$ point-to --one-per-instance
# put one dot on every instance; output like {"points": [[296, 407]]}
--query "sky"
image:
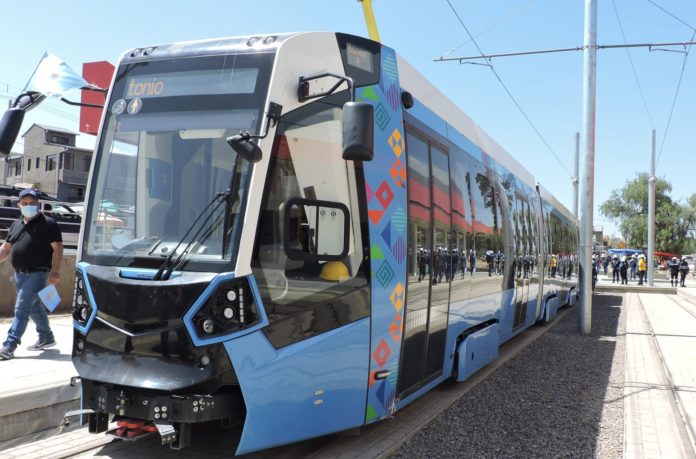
{"points": [[636, 88]]}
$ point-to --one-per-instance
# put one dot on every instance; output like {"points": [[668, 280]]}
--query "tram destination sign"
{"points": [[196, 82]]}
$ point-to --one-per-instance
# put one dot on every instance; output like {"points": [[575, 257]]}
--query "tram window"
{"points": [[316, 230], [461, 223], [310, 274], [484, 218]]}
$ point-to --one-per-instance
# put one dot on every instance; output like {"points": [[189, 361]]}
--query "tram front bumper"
{"points": [[130, 403]]}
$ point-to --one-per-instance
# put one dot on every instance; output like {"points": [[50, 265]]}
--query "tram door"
{"points": [[427, 292]]}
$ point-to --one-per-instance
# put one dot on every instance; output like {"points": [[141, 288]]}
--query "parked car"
{"points": [[68, 220]]}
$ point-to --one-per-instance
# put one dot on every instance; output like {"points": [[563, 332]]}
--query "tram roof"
{"points": [[240, 44], [426, 93], [551, 199]]}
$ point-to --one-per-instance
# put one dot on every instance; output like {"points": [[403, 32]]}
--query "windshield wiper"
{"points": [[165, 271]]}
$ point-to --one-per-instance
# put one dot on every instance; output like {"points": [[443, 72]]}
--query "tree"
{"points": [[673, 223], [689, 217]]}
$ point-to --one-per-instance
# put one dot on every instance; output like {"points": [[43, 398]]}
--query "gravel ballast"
{"points": [[560, 397]]}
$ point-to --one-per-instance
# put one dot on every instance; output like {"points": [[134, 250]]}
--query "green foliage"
{"points": [[675, 224]]}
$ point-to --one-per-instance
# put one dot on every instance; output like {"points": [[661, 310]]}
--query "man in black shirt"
{"points": [[36, 246]]}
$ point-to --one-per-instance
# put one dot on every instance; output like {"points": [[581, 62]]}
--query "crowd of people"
{"points": [[561, 266], [445, 264], [627, 268]]}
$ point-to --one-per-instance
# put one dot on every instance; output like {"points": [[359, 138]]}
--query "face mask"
{"points": [[29, 211]]}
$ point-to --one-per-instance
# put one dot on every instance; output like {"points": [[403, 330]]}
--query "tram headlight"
{"points": [[208, 326], [230, 308], [81, 308]]}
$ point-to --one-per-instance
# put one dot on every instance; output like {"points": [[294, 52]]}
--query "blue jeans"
{"points": [[28, 306]]}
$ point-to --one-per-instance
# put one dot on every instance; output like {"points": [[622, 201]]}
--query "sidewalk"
{"points": [[660, 377], [661, 284], [35, 389]]}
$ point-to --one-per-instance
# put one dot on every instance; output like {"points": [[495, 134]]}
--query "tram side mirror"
{"points": [[358, 131], [244, 147], [9, 129]]}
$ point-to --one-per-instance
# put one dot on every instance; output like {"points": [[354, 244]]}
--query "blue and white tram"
{"points": [[280, 271]]}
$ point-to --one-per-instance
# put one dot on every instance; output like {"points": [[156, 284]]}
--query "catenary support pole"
{"points": [[587, 191], [651, 212], [576, 175]]}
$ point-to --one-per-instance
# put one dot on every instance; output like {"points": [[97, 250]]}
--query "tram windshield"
{"points": [[163, 158]]}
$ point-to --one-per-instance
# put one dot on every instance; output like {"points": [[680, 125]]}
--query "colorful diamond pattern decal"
{"points": [[376, 252], [384, 194], [399, 250], [385, 274], [389, 68], [393, 97], [371, 413], [382, 394], [368, 191], [399, 220], [382, 118], [369, 94], [382, 353], [395, 327], [398, 173], [375, 215], [396, 142], [386, 180], [386, 233], [397, 296]]}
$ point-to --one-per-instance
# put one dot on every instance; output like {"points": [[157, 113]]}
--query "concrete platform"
{"points": [[35, 390], [660, 285], [660, 378]]}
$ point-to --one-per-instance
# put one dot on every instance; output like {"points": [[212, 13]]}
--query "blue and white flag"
{"points": [[54, 78]]}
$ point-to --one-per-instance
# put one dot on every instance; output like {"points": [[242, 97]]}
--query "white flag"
{"points": [[54, 78]]}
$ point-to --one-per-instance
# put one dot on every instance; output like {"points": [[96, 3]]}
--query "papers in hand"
{"points": [[49, 297]]}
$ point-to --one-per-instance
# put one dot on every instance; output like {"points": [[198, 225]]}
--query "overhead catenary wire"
{"points": [[652, 47], [488, 57], [681, 74], [492, 26], [672, 15], [633, 67], [514, 101], [674, 101]]}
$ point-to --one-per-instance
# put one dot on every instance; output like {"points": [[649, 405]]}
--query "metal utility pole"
{"points": [[576, 175], [651, 211], [587, 195]]}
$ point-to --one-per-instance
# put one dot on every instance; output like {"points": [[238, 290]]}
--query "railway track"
{"points": [[682, 299], [676, 400]]}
